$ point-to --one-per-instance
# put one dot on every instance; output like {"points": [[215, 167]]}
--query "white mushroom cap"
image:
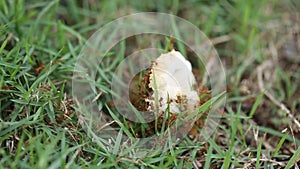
{"points": [[171, 78]]}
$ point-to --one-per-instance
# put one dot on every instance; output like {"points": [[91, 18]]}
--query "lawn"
{"points": [[41, 126]]}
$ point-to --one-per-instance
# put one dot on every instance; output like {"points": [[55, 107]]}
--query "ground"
{"points": [[258, 43]]}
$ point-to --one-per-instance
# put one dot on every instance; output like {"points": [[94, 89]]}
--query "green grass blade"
{"points": [[255, 105], [278, 147], [258, 154], [294, 159]]}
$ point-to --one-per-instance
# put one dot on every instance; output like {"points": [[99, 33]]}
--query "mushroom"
{"points": [[173, 84]]}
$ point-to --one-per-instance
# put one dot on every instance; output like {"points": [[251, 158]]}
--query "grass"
{"points": [[40, 43]]}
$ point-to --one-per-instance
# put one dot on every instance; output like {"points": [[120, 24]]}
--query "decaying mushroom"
{"points": [[169, 85], [173, 84]]}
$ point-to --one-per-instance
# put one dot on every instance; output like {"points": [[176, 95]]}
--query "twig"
{"points": [[195, 165], [107, 124], [291, 129], [137, 162], [73, 158], [269, 160], [220, 39], [260, 69]]}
